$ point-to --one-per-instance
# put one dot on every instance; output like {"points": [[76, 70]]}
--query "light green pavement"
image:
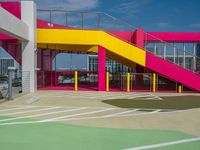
{"points": [[55, 136]]}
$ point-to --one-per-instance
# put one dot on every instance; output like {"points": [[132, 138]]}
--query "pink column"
{"points": [[101, 68], [139, 41], [139, 38]]}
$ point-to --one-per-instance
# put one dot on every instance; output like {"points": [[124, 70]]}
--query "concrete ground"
{"points": [[88, 109]]}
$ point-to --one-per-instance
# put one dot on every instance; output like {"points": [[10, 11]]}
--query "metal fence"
{"points": [[83, 20], [11, 85]]}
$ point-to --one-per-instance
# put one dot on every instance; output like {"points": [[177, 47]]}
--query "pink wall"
{"points": [[175, 36], [13, 7], [126, 36], [172, 71], [45, 24]]}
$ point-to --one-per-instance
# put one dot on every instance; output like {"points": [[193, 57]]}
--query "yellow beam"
{"points": [[128, 82], [154, 82], [76, 81], [118, 47], [107, 81]]}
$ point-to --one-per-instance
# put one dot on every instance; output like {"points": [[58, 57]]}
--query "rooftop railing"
{"points": [[105, 22]]}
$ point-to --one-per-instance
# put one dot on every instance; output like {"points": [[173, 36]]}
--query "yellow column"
{"points": [[76, 81], [128, 82], [107, 81], [154, 82], [180, 89]]}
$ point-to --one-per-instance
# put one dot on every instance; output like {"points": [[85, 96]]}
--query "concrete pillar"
{"points": [[29, 57], [101, 68]]}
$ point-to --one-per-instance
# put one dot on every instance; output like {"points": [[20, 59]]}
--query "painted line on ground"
{"points": [[16, 108], [43, 114], [165, 144], [16, 113], [118, 96], [120, 113], [155, 96], [105, 116], [79, 94], [146, 113], [139, 96], [25, 106], [80, 114], [70, 117], [53, 119], [32, 100], [46, 106]]}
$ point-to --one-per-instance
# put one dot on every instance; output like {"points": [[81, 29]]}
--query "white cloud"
{"points": [[67, 4], [195, 25], [163, 25]]}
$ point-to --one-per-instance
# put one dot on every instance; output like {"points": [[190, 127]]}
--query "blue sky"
{"points": [[152, 15]]}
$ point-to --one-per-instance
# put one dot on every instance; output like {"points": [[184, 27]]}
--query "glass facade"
{"points": [[111, 66], [184, 54]]}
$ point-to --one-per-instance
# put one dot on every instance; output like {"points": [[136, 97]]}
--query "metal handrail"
{"points": [[129, 27]]}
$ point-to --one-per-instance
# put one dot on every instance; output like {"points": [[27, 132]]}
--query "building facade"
{"points": [[173, 55], [185, 54]]}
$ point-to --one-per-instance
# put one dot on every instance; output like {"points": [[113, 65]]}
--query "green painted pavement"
{"points": [[55, 136]]}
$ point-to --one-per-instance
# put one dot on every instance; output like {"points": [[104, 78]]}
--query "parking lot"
{"points": [[72, 113]]}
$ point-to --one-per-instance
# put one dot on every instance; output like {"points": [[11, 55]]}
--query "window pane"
{"points": [[170, 49], [189, 49], [150, 47], [179, 49], [160, 49]]}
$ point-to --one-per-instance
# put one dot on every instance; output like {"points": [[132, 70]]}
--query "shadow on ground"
{"points": [[179, 102]]}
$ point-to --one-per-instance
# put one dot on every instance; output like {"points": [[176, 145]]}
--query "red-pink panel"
{"points": [[13, 7], [126, 36], [175, 36], [173, 71]]}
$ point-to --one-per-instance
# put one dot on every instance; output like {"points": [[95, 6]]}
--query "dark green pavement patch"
{"points": [[178, 102], [56, 136]]}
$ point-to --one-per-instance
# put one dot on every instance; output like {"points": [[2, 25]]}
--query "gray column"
{"points": [[194, 57], [184, 50], [155, 46], [29, 57], [165, 47], [174, 46]]}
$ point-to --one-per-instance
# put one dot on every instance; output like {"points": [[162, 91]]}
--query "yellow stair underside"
{"points": [[88, 41]]}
